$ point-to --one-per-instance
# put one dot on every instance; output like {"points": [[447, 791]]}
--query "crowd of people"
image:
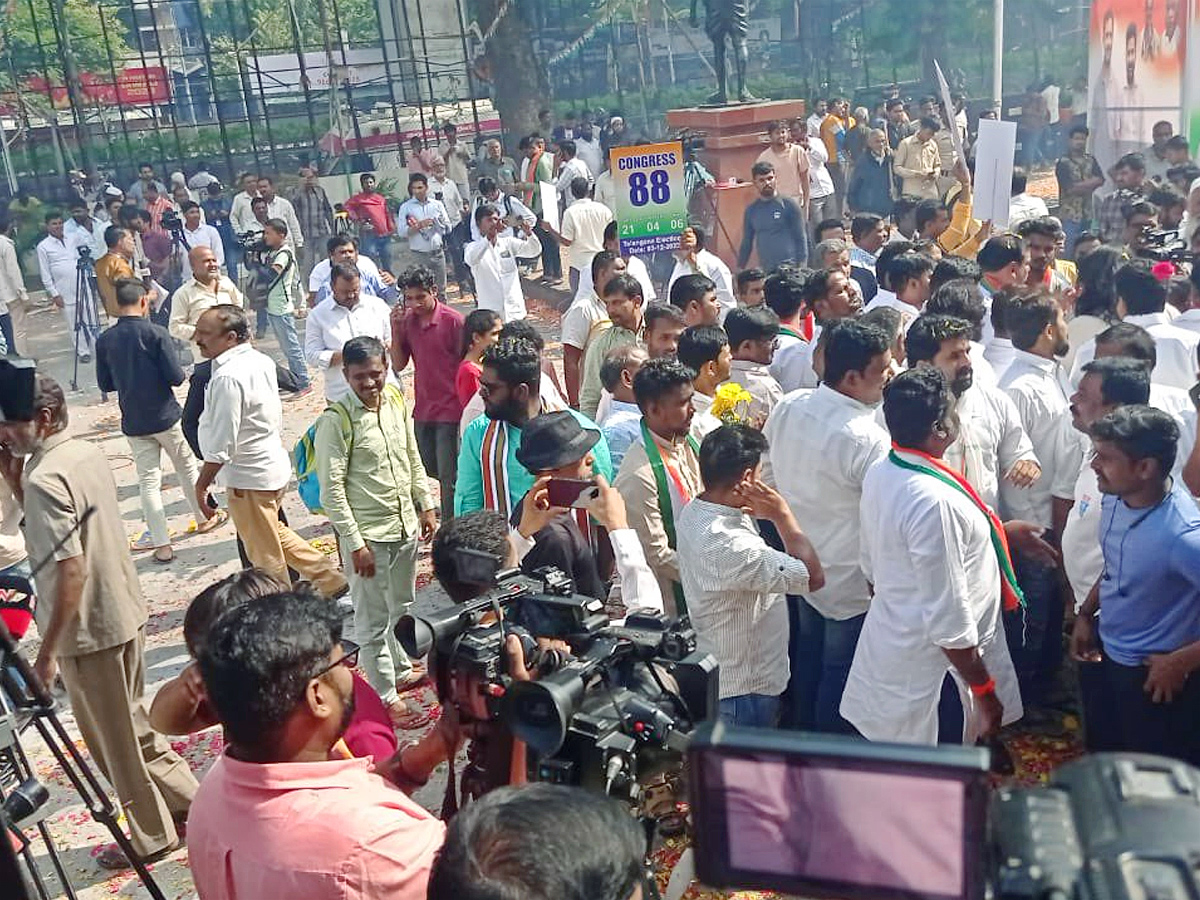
{"points": [[910, 476]]}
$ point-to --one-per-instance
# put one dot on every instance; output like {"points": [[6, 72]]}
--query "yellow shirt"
{"points": [[962, 237], [109, 268]]}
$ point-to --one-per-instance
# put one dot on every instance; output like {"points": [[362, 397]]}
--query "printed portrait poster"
{"points": [[1137, 50]]}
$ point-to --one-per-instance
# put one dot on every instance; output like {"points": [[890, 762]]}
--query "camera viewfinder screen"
{"points": [[899, 833]]}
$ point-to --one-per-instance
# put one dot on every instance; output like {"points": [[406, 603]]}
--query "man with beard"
{"points": [[992, 445], [282, 813], [490, 476], [1042, 236], [1037, 385]]}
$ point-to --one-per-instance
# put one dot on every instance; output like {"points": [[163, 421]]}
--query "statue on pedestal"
{"points": [[727, 19]]}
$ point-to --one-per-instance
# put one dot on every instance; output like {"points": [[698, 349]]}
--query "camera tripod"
{"points": [[87, 315]]}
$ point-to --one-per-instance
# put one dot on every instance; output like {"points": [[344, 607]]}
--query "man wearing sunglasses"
{"points": [[282, 813]]}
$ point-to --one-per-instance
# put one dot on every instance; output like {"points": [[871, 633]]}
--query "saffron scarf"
{"points": [[1010, 592]]}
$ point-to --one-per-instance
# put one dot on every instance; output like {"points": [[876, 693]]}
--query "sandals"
{"points": [[113, 858], [212, 523], [407, 715], [415, 677]]}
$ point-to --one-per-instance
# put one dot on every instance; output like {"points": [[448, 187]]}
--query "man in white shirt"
{"points": [[342, 248], [1190, 317], [588, 150], [241, 215], [241, 438], [735, 583], [693, 259], [427, 225], [752, 335], [992, 444], [457, 160], [493, 262], [13, 296], [197, 234], [512, 210], [827, 294], [346, 313], [821, 445], [58, 263], [907, 276], [281, 208], [84, 231], [205, 288], [570, 167], [1142, 301], [1037, 385], [582, 231], [821, 197], [1022, 206], [935, 563], [783, 294], [633, 265], [585, 318]]}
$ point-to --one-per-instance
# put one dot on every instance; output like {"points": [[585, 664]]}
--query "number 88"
{"points": [[659, 189]]}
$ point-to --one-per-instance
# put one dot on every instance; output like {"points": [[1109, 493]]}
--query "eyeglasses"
{"points": [[349, 658]]}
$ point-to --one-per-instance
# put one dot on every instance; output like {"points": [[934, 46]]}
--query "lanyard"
{"points": [[659, 468]]}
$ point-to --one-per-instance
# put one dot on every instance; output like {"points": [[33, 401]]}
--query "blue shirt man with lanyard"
{"points": [[1148, 596]]}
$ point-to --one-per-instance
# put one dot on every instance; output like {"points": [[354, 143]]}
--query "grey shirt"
{"points": [[778, 226]]}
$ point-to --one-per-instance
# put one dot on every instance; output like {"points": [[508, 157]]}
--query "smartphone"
{"points": [[570, 492]]}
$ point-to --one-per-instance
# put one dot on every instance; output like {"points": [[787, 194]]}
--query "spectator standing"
{"points": [[790, 161], [772, 224], [752, 336], [374, 489], [58, 266], [1079, 176], [536, 168], [207, 288], [430, 333], [343, 249], [660, 473], [84, 231], [821, 445], [735, 583], [582, 232], [420, 158], [217, 208], [241, 215], [481, 329], [137, 359], [696, 297], [705, 350], [198, 234], [346, 313], [896, 124], [1149, 633], [369, 208], [1129, 175], [872, 184], [622, 424], [447, 192], [834, 128], [821, 196], [428, 225], [137, 190], [13, 297], [92, 618], [625, 305], [281, 302], [157, 203], [241, 436], [918, 163], [457, 158], [512, 210], [693, 259], [493, 261], [315, 216], [1022, 206], [114, 265], [585, 318], [570, 167], [501, 169]]}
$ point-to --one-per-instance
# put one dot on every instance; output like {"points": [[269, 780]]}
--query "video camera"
{"points": [[171, 222], [838, 817], [1167, 245], [597, 715], [252, 241]]}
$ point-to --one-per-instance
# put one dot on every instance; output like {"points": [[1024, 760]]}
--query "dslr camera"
{"points": [[600, 713], [836, 817]]}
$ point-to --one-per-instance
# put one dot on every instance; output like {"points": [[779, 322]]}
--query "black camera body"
{"points": [[172, 223], [252, 241], [1167, 245]]}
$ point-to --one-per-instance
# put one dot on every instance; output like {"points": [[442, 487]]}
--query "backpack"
{"points": [[304, 455]]}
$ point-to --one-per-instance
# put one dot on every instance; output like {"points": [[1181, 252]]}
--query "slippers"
{"points": [[215, 521], [113, 858], [142, 542], [416, 676], [159, 558]]}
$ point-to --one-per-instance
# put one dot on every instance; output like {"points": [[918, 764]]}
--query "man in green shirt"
{"points": [[627, 312], [375, 492]]}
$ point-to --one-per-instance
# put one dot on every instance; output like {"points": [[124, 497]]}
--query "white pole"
{"points": [[997, 56]]}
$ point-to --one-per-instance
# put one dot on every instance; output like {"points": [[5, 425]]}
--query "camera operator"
{"points": [[1140, 216], [526, 842], [275, 815]]}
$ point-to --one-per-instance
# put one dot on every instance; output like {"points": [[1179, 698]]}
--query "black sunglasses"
{"points": [[349, 658]]}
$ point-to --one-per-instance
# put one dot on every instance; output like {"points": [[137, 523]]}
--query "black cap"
{"points": [[554, 439]]}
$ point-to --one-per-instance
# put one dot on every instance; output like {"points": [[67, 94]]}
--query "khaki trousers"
{"points": [[151, 780], [19, 311], [272, 546]]}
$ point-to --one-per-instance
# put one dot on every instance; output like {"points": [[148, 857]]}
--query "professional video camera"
{"points": [[252, 241], [837, 817], [172, 223], [85, 256], [1162, 244], [599, 716]]}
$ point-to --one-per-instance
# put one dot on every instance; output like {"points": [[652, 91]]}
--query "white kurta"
{"points": [[927, 549], [57, 262], [991, 442], [494, 266]]}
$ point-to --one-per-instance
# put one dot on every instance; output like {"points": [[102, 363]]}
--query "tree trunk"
{"points": [[518, 72]]}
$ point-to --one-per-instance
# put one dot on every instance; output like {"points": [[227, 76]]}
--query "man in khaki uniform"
{"points": [[92, 618]]}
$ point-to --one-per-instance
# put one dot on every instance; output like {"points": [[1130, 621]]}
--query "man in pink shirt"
{"points": [[790, 162], [375, 223], [278, 815]]}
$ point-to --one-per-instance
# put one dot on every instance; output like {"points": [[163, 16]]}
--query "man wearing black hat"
{"points": [[556, 445]]}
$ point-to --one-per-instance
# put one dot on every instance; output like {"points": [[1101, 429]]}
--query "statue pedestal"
{"points": [[733, 137]]}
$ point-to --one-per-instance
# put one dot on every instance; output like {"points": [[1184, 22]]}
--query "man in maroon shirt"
{"points": [[429, 333]]}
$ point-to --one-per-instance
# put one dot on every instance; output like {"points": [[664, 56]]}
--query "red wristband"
{"points": [[982, 690]]}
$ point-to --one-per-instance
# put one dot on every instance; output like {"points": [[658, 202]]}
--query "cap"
{"points": [[554, 439]]}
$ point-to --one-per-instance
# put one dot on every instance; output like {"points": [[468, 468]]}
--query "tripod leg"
{"points": [[22, 770]]}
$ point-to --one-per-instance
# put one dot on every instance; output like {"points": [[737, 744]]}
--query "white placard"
{"points": [[548, 194], [994, 151], [948, 109]]}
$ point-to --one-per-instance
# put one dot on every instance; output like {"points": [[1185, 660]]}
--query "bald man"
{"points": [[207, 288]]}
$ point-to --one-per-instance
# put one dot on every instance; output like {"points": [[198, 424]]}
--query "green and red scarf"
{"points": [[1010, 591]]}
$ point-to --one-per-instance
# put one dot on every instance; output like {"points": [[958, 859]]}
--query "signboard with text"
{"points": [[652, 207]]}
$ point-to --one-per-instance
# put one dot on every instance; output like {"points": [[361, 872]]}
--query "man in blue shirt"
{"points": [[1148, 595]]}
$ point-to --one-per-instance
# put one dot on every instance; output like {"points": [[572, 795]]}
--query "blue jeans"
{"points": [[285, 332], [751, 711], [1072, 228], [820, 651], [378, 249], [6, 329]]}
